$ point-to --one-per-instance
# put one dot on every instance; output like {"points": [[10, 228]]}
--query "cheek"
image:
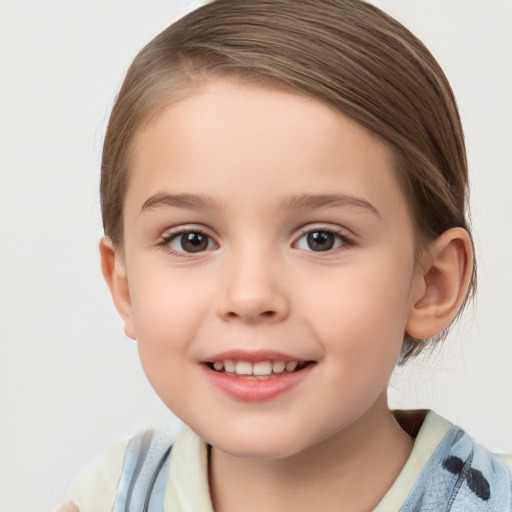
{"points": [[360, 319], [167, 313], [167, 308]]}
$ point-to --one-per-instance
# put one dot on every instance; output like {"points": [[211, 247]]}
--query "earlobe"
{"points": [[441, 284], [114, 272]]}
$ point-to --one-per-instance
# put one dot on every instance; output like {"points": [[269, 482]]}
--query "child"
{"points": [[284, 193]]}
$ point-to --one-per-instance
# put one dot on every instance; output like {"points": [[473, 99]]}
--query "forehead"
{"points": [[231, 139]]}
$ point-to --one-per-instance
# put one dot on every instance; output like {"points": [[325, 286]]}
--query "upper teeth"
{"points": [[258, 368]]}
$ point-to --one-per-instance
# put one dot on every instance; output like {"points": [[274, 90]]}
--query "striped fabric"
{"points": [[144, 475]]}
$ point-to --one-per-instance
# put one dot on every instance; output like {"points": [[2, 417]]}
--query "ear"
{"points": [[114, 272], [441, 284]]}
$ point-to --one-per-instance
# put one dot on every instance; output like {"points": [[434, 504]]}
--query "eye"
{"points": [[188, 242], [321, 240]]}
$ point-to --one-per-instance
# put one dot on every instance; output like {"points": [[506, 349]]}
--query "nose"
{"points": [[252, 292]]}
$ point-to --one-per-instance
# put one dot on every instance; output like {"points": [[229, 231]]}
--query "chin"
{"points": [[258, 445], [257, 451]]}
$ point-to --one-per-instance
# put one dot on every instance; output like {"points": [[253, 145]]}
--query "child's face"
{"points": [[304, 251]]}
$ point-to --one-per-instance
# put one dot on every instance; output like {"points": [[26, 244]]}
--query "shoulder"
{"points": [[507, 461], [122, 475], [464, 473], [447, 466], [95, 488]]}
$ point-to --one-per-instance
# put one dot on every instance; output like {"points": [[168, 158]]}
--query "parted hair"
{"points": [[345, 53]]}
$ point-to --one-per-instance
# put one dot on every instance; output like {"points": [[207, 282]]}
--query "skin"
{"points": [[259, 285], [69, 508]]}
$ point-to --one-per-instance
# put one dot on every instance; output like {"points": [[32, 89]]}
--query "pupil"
{"points": [[194, 242], [320, 241]]}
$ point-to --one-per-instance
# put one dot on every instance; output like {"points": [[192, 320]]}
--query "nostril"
{"points": [[270, 314]]}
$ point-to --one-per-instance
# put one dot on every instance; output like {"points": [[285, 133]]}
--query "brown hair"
{"points": [[345, 53]]}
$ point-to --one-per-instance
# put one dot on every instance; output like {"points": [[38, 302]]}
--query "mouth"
{"points": [[256, 376], [256, 370]]}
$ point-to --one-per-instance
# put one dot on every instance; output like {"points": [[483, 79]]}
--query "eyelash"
{"points": [[169, 237], [173, 235], [346, 241]]}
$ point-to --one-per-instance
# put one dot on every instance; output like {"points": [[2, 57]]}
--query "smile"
{"points": [[257, 380], [256, 370]]}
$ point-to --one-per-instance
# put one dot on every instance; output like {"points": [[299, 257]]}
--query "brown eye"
{"points": [[320, 240], [190, 242]]}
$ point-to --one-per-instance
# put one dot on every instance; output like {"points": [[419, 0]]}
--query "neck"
{"points": [[351, 470]]}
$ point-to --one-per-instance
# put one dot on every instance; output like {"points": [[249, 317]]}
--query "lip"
{"points": [[256, 390], [252, 356]]}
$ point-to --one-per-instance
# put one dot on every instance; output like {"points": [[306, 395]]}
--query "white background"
{"points": [[70, 382]]}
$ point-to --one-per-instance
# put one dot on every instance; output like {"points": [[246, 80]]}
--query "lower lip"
{"points": [[256, 390]]}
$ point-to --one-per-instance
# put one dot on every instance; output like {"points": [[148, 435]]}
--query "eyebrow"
{"points": [[315, 201], [189, 201], [298, 202]]}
